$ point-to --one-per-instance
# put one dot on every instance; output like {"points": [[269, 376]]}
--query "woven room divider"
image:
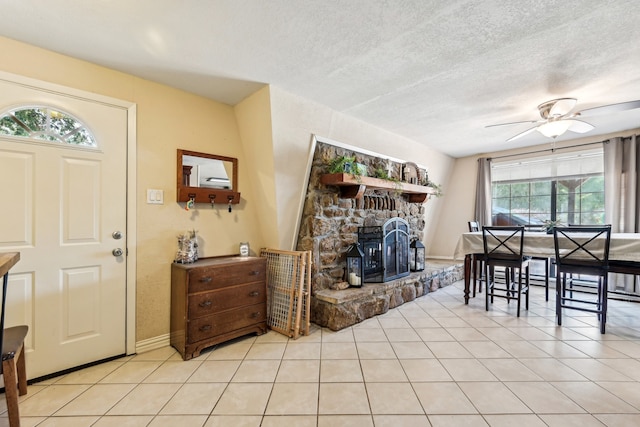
{"points": [[288, 291]]}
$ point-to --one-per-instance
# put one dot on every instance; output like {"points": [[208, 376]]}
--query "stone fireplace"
{"points": [[330, 224]]}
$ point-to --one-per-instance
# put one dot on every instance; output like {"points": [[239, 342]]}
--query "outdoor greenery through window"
{"points": [[566, 188], [46, 124]]}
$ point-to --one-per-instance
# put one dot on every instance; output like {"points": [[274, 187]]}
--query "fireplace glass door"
{"points": [[386, 250], [396, 244]]}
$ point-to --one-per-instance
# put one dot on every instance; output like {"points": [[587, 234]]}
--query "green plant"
{"points": [[550, 224], [381, 173], [342, 164], [436, 187]]}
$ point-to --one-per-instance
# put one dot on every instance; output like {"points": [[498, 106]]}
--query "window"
{"points": [[46, 124], [567, 188]]}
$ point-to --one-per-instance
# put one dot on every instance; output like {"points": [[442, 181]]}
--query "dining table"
{"points": [[624, 251]]}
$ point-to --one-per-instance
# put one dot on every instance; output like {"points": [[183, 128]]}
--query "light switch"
{"points": [[155, 197]]}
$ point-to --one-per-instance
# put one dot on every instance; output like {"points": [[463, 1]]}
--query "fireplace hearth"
{"points": [[386, 250]]}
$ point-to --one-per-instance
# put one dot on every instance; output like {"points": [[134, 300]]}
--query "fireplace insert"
{"points": [[386, 250]]}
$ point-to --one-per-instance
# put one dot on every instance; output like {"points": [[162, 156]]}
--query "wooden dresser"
{"points": [[216, 299]]}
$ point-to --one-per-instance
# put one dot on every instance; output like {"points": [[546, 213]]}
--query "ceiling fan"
{"points": [[557, 118]]}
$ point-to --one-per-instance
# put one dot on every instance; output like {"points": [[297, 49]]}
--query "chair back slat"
{"points": [[580, 245], [503, 243]]}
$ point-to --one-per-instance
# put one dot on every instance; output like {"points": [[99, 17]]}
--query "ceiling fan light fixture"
{"points": [[553, 129]]}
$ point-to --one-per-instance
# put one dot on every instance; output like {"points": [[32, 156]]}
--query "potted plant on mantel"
{"points": [[347, 164]]}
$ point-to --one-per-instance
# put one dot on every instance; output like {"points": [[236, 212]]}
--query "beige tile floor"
{"points": [[431, 362]]}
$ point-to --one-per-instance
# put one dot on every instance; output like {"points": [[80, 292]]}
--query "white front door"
{"points": [[64, 209]]}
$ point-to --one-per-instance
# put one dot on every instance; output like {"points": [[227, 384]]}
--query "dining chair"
{"points": [[544, 260], [503, 248], [477, 262], [13, 367], [582, 250]]}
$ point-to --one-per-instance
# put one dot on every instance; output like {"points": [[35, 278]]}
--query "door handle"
{"points": [[117, 252]]}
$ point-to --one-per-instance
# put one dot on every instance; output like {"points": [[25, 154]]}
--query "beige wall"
{"points": [[295, 119], [254, 122], [167, 119]]}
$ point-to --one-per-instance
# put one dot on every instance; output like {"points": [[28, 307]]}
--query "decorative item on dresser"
{"points": [[216, 299]]}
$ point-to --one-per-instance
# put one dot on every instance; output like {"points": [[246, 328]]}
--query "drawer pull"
{"points": [[254, 294], [255, 315], [204, 304], [205, 328], [205, 279], [255, 272]]}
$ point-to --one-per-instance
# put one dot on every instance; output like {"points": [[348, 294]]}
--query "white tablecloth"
{"points": [[624, 246]]}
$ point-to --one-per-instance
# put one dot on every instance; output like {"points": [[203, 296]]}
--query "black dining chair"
{"points": [[13, 367], [582, 250], [477, 262], [503, 248]]}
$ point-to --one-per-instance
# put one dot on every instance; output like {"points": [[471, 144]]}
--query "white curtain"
{"points": [[621, 163], [483, 192]]}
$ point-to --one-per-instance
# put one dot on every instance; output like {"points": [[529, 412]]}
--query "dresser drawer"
{"points": [[212, 302], [216, 324], [210, 278]]}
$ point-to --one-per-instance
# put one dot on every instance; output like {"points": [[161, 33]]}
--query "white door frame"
{"points": [[131, 231]]}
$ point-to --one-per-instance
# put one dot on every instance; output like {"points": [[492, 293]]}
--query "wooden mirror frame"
{"points": [[207, 194]]}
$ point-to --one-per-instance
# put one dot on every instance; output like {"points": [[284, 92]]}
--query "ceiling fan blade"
{"points": [[579, 126], [562, 107], [521, 134], [608, 109], [514, 123]]}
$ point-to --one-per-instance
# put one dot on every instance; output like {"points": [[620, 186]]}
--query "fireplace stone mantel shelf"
{"points": [[353, 187], [339, 309]]}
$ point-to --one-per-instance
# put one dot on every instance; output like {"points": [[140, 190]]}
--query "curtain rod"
{"points": [[606, 141]]}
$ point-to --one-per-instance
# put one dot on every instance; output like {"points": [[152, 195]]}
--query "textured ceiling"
{"points": [[437, 72]]}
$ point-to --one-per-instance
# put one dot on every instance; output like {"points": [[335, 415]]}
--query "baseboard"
{"points": [[152, 343]]}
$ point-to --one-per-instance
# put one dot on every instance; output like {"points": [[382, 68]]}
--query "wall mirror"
{"points": [[207, 178]]}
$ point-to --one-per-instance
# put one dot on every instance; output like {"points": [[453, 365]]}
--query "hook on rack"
{"points": [[191, 202], [230, 198], [212, 198]]}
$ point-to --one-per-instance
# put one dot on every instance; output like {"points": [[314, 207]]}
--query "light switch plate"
{"points": [[155, 197]]}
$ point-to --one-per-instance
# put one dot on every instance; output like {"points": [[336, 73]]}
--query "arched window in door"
{"points": [[48, 124]]}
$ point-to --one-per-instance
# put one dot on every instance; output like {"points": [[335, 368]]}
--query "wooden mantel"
{"points": [[353, 187]]}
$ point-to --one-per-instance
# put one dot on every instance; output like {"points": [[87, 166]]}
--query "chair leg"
{"points": [[547, 272], [518, 297], [528, 283], [603, 318], [488, 288], [21, 368], [11, 391], [474, 267], [559, 278]]}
